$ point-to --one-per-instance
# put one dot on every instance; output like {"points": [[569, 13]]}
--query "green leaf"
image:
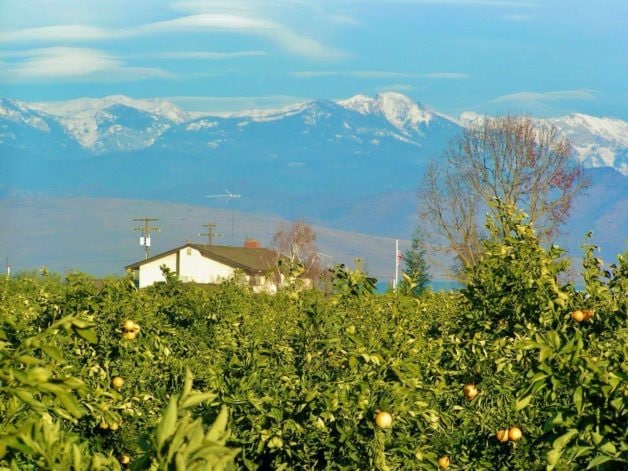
{"points": [[27, 398], [187, 384], [565, 438], [609, 448], [217, 430], [166, 426], [523, 402], [27, 360], [38, 375], [76, 456], [577, 399], [71, 405], [88, 335], [53, 352], [196, 398], [82, 324], [552, 458], [599, 460], [73, 383]]}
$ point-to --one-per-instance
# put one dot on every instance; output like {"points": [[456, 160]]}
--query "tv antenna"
{"points": [[229, 197], [146, 229]]}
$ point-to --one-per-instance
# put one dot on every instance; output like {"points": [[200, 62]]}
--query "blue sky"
{"points": [[546, 58]]}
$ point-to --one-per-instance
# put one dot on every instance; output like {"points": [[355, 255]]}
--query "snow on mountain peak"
{"points": [[19, 112], [83, 117], [469, 118], [363, 104], [90, 106], [598, 142], [578, 126], [398, 109]]}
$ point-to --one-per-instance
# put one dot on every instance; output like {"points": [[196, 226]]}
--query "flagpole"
{"points": [[396, 263]]}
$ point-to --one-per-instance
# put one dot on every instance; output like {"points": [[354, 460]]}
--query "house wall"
{"points": [[266, 285], [151, 272], [194, 267], [191, 266]]}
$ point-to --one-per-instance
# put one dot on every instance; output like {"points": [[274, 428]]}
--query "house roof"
{"points": [[251, 260]]}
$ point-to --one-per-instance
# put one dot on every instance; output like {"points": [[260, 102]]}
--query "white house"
{"points": [[200, 263]]}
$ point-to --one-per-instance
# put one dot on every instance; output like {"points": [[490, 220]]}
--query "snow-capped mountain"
{"points": [[353, 164], [26, 131], [398, 109], [118, 123], [598, 142], [361, 124], [114, 123]]}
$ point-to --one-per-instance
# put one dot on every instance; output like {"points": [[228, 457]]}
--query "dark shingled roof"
{"points": [[251, 260]]}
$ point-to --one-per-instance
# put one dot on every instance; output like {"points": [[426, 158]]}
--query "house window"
{"points": [[188, 251], [255, 280]]}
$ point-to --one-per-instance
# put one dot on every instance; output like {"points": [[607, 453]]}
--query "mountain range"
{"points": [[352, 164]]}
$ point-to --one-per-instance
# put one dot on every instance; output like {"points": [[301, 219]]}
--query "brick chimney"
{"points": [[251, 244]]}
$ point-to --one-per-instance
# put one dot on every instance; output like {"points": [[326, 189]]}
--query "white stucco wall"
{"points": [[151, 272], [194, 267]]}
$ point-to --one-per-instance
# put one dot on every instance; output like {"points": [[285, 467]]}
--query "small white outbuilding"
{"points": [[211, 264]]}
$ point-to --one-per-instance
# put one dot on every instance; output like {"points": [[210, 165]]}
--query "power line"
{"points": [[210, 234], [146, 229]]}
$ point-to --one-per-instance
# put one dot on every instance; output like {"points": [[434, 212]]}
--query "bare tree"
{"points": [[297, 243], [513, 158]]}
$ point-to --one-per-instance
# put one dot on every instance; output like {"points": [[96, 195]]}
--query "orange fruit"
{"points": [[383, 420], [470, 391], [578, 316], [117, 382], [515, 434], [129, 335], [502, 435], [129, 325]]}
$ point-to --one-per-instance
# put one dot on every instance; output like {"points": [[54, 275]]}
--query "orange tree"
{"points": [[579, 379], [515, 340], [347, 380], [71, 391]]}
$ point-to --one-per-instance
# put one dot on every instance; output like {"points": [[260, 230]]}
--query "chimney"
{"points": [[251, 244]]}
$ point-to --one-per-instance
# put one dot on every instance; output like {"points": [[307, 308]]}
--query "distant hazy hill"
{"points": [[94, 234], [354, 164]]}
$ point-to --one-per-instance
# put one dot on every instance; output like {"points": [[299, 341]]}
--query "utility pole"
{"points": [[146, 229], [210, 234]]}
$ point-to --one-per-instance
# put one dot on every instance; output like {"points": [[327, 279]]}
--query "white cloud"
{"points": [[183, 55], [69, 63], [377, 74], [374, 74], [279, 33], [546, 97], [61, 33]]}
